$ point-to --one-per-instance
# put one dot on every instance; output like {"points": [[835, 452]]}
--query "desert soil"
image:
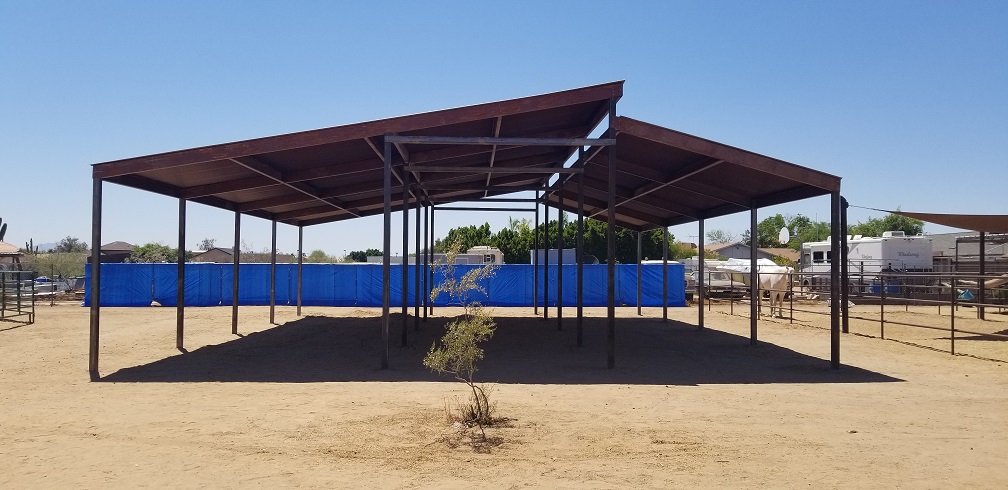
{"points": [[304, 403]]}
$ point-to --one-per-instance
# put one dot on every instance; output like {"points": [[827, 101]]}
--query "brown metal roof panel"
{"points": [[728, 153], [357, 131]]}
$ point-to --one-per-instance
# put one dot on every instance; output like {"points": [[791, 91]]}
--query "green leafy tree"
{"points": [[156, 253], [318, 257], [71, 245], [891, 222], [465, 237], [720, 236]]}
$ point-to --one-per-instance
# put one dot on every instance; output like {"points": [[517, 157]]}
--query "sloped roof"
{"points": [[117, 246], [337, 173], [665, 177], [8, 249]]}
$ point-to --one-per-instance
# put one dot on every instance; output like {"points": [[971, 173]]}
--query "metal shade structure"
{"points": [[636, 175]]}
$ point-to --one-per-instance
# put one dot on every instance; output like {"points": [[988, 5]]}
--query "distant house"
{"points": [[116, 252], [737, 250], [10, 257], [220, 255], [214, 255]]}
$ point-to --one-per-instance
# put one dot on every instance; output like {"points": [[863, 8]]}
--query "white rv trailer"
{"points": [[871, 255]]}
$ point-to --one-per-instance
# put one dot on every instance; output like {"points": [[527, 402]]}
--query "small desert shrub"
{"points": [[458, 352]]}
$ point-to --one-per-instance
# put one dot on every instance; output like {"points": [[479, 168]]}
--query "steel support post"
{"points": [[535, 260], [982, 288], [180, 284], [235, 255], [416, 269], [835, 297], [386, 258], [96, 219], [639, 312], [430, 268], [300, 266], [844, 267], [273, 247], [611, 242], [427, 260], [546, 241], [580, 255], [664, 273], [559, 268], [754, 292], [699, 284], [405, 255]]}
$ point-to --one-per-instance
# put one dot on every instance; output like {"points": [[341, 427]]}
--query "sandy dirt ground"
{"points": [[304, 403]]}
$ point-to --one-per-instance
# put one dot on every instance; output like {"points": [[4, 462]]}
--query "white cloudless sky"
{"points": [[906, 101]]}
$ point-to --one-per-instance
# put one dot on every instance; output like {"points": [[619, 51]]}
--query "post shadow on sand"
{"points": [[524, 350]]}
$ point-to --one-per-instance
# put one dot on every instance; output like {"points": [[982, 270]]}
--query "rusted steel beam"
{"points": [[272, 301], [611, 247], [493, 150], [256, 182], [266, 170], [474, 208], [495, 170], [386, 257], [482, 140]]}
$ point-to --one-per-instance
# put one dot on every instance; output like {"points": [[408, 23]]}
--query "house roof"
{"points": [[8, 249], [787, 253], [117, 247]]}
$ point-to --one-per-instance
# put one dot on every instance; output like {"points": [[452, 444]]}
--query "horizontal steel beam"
{"points": [[494, 170], [479, 140], [474, 208]]}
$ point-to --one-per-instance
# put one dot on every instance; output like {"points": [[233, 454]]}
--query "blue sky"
{"points": [[906, 101]]}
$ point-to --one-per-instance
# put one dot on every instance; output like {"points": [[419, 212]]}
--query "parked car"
{"points": [[720, 283]]}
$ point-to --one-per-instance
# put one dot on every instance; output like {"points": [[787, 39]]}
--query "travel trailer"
{"points": [[870, 255]]}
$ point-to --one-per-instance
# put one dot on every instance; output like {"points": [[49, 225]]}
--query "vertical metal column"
{"points": [[273, 273], [835, 296], [664, 273], [386, 258], [639, 313], [844, 272], [416, 270], [699, 285], [427, 260], [982, 296], [611, 241], [405, 252], [535, 259], [96, 219], [559, 266], [546, 240], [180, 283], [430, 268], [300, 266], [580, 254], [754, 292], [235, 255]]}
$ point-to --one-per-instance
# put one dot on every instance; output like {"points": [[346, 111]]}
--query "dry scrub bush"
{"points": [[458, 352]]}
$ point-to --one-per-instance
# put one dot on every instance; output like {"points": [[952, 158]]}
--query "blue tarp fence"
{"points": [[361, 285]]}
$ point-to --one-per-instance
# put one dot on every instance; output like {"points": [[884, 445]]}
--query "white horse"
{"points": [[775, 281]]}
